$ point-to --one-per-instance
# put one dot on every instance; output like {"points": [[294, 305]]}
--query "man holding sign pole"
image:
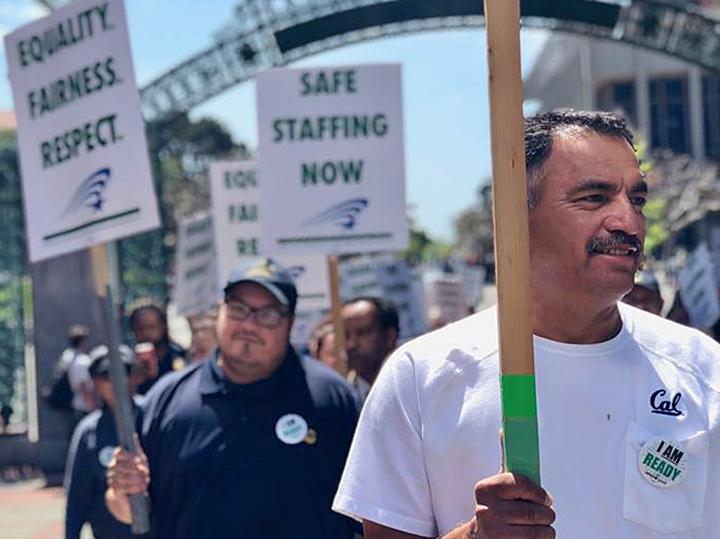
{"points": [[628, 403], [249, 443]]}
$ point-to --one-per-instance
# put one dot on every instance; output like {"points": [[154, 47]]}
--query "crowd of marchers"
{"points": [[245, 436]]}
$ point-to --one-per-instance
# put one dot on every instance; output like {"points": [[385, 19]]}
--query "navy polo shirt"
{"points": [[219, 466], [93, 443]]}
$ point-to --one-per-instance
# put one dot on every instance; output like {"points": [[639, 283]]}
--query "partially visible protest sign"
{"points": [[196, 285], [235, 200], [384, 276], [447, 294], [698, 289], [85, 171], [238, 222], [473, 279], [714, 245], [331, 162]]}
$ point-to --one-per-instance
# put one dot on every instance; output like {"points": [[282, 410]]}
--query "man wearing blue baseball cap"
{"points": [[250, 443]]}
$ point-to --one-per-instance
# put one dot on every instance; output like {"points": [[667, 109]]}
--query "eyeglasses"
{"points": [[269, 316]]}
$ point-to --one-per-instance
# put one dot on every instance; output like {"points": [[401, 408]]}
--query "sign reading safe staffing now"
{"points": [[83, 156], [238, 222], [331, 159]]}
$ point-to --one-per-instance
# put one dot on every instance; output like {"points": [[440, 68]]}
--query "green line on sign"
{"points": [[520, 425], [309, 239], [91, 223]]}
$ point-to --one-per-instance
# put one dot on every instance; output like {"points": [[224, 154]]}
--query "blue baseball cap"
{"points": [[270, 275]]}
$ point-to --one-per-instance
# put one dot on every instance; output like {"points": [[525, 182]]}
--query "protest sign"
{"points": [[237, 223], [447, 294], [331, 143], [473, 279], [196, 285], [83, 156], [698, 289], [384, 276]]}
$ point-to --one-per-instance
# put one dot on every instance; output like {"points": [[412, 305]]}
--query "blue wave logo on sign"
{"points": [[296, 272], [90, 192], [344, 214]]}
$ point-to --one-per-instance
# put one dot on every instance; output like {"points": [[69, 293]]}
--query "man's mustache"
{"points": [[251, 337], [616, 239]]}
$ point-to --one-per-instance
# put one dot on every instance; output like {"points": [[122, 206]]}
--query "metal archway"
{"points": [[271, 33]]}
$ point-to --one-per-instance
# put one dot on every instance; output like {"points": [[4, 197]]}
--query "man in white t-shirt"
{"points": [[77, 363], [628, 403]]}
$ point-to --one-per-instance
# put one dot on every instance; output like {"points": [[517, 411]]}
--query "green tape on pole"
{"points": [[520, 425]]}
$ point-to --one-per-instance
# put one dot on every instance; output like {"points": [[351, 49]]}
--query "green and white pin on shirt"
{"points": [[663, 462]]}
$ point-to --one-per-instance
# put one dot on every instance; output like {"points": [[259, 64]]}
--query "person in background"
{"points": [[372, 327], [250, 443], [149, 325], [6, 412], [645, 294], [321, 344], [204, 338], [77, 362], [678, 313], [91, 450]]}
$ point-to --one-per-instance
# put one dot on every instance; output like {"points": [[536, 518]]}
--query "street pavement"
{"points": [[28, 510]]}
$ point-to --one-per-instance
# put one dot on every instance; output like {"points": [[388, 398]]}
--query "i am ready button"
{"points": [[663, 463]]}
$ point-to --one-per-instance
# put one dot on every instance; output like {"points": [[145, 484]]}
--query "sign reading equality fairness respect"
{"points": [[83, 156], [331, 159], [237, 224]]}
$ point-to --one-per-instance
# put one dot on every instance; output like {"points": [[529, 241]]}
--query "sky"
{"points": [[445, 101]]}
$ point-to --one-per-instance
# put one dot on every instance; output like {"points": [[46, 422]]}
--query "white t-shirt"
{"points": [[429, 431], [79, 378]]}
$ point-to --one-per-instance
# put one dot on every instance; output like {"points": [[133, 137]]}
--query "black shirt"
{"points": [[219, 466], [92, 446]]}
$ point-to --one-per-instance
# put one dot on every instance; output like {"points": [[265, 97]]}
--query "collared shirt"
{"points": [[91, 449], [255, 460]]}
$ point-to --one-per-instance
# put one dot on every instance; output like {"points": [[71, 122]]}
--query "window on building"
{"points": [[711, 115], [669, 114], [619, 97]]}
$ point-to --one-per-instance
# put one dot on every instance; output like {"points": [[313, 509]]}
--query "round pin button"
{"points": [[663, 462], [311, 437], [105, 455], [291, 429]]}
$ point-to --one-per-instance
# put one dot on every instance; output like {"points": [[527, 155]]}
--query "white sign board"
{"points": [[446, 293], [196, 285], [83, 156], [473, 279], [383, 276], [237, 223], [331, 160], [698, 289]]}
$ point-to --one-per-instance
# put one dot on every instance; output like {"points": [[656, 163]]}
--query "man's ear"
{"points": [[391, 337]]}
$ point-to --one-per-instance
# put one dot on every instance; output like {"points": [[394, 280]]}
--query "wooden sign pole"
{"points": [[502, 22], [338, 326], [123, 410]]}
